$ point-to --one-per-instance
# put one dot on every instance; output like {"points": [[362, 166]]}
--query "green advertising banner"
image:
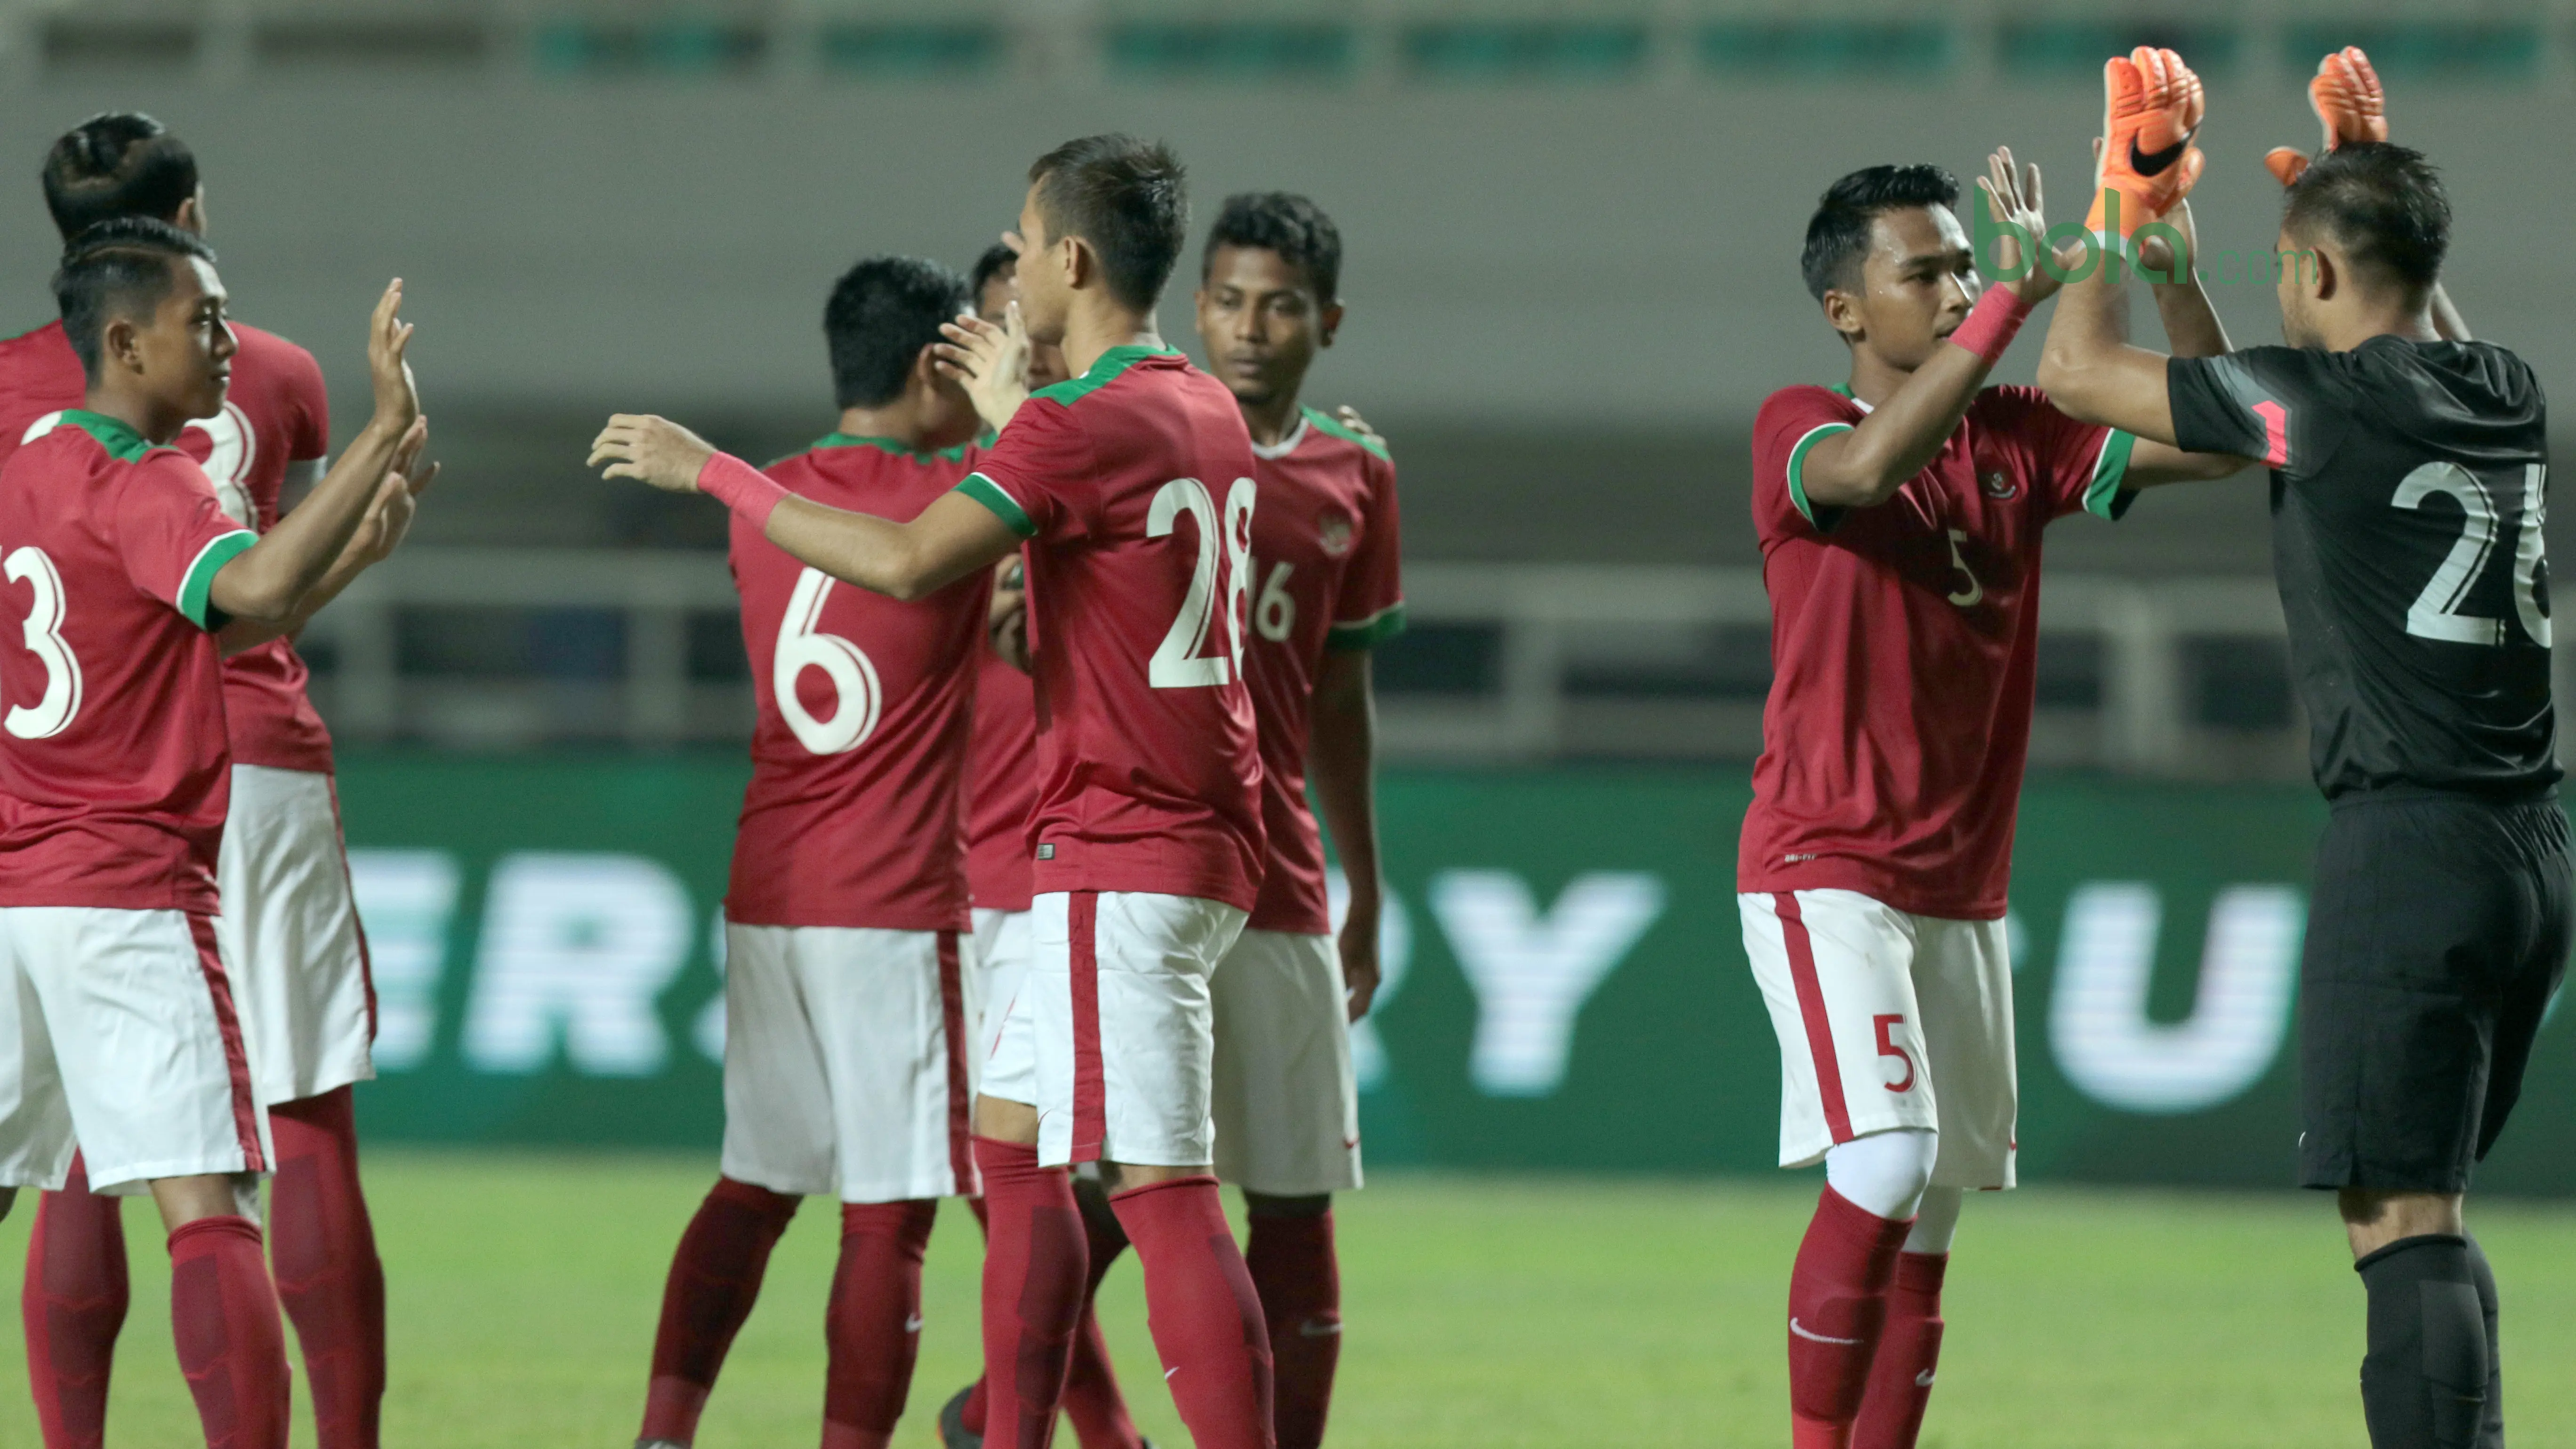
{"points": [[1567, 985]]}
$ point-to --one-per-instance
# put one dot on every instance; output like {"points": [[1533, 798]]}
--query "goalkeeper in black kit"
{"points": [[2408, 487]]}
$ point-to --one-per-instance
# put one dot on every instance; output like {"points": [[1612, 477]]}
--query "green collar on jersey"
{"points": [[1347, 435], [1845, 389], [889, 445], [121, 441], [1104, 372]]}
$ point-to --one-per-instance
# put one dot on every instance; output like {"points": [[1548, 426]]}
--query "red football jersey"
{"points": [[1904, 643], [852, 817], [113, 766], [1325, 575], [1134, 484], [276, 413], [1001, 786]]}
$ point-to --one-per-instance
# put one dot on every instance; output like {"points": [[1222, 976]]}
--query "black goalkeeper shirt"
{"points": [[2409, 481]]}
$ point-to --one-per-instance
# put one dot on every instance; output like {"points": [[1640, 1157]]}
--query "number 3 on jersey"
{"points": [[1177, 664], [52, 712], [801, 646], [2435, 614]]}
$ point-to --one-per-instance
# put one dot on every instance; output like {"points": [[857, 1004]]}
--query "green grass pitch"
{"points": [[1484, 1313]]}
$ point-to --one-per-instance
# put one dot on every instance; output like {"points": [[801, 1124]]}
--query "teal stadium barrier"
{"points": [[1566, 985]]}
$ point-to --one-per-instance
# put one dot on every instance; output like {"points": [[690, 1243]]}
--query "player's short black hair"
{"points": [[996, 260], [1286, 223], [882, 313], [2383, 204], [1838, 234], [117, 163], [118, 268], [1125, 196]]}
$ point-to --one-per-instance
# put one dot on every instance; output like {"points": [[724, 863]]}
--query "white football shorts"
{"points": [[118, 1039], [1887, 1021], [1287, 1103], [290, 932], [1111, 1036], [845, 1062], [1001, 964]]}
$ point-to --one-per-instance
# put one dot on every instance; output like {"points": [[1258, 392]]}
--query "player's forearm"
{"points": [[1864, 467], [2446, 318], [2192, 328], [857, 548], [2092, 374], [1341, 761], [267, 583]]}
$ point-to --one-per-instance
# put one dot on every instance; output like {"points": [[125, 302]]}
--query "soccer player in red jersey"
{"points": [[128, 580], [290, 928], [1001, 793], [1325, 590], [1900, 516], [847, 1008], [1132, 486]]}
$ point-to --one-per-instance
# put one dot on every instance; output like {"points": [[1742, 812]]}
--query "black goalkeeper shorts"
{"points": [[2438, 931]]}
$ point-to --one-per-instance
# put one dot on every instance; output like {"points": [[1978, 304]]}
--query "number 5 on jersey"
{"points": [[1177, 664]]}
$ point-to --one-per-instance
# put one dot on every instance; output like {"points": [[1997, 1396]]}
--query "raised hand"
{"points": [[2013, 196], [388, 371], [990, 360], [2350, 105], [652, 450], [2152, 107]]}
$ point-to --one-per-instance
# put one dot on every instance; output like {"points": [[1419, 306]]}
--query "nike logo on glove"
{"points": [[2149, 163], [1796, 1328]]}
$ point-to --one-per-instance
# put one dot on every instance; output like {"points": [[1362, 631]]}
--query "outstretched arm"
{"points": [[2091, 373], [951, 538], [265, 584], [387, 522]]}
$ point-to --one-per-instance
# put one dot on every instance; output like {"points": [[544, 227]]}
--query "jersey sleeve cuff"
{"points": [[989, 493], [1366, 633], [2105, 496], [1798, 462], [197, 587]]}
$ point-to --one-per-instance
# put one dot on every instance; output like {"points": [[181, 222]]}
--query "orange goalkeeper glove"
{"points": [[2348, 101], [2152, 105]]}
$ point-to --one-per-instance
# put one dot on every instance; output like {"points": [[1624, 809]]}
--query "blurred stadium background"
{"points": [[1572, 234]]}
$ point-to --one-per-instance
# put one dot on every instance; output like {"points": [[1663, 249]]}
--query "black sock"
{"points": [[2424, 1380], [2491, 1434]]}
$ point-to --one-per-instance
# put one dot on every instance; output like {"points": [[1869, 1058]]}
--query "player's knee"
{"points": [[1884, 1173]]}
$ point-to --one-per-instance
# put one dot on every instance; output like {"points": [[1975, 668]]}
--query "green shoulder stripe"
{"points": [[1798, 461], [989, 493], [1347, 434], [1103, 372], [196, 589], [2104, 496], [121, 442], [1367, 633]]}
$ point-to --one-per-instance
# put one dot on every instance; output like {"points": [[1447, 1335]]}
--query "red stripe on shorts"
{"points": [[358, 927], [1811, 1009], [1090, 1095], [952, 1027], [219, 988]]}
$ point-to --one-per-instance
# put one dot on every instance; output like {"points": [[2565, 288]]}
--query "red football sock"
{"points": [[1300, 1282], [1091, 1397], [715, 1277], [873, 1326], [323, 1247], [1034, 1267], [223, 1316], [73, 1305], [1909, 1349], [1205, 1316], [1837, 1301]]}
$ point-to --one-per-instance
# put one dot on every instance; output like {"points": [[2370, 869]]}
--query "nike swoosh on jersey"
{"points": [[1800, 1330]]}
